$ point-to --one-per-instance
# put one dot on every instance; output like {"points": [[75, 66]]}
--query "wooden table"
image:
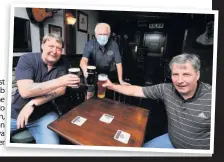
{"points": [[93, 132]]}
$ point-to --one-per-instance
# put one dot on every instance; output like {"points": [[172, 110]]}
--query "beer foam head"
{"points": [[74, 70], [102, 77], [91, 67]]}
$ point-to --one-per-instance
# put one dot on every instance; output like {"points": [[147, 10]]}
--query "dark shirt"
{"points": [[189, 121], [102, 56], [31, 66]]}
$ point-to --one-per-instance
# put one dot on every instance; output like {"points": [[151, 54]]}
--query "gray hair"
{"points": [[183, 58], [100, 24], [49, 36]]}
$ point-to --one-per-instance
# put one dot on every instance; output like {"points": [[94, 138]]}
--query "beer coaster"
{"points": [[79, 121], [122, 136], [106, 118]]}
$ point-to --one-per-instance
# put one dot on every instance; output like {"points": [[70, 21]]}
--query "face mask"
{"points": [[102, 39]]}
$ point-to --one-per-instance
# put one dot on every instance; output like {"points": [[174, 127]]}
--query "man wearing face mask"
{"points": [[101, 52]]}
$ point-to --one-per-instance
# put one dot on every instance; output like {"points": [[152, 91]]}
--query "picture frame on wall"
{"points": [[82, 22], [55, 29]]}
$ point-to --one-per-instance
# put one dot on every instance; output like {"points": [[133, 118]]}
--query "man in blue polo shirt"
{"points": [[41, 77], [101, 52]]}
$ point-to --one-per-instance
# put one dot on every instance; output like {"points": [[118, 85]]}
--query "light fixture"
{"points": [[70, 20]]}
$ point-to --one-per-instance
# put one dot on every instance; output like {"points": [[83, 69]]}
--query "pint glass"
{"points": [[102, 78], [91, 75], [75, 71]]}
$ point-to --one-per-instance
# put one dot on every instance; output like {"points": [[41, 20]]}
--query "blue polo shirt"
{"points": [[102, 56], [31, 66]]}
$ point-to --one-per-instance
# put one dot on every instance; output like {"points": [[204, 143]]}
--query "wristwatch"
{"points": [[31, 103]]}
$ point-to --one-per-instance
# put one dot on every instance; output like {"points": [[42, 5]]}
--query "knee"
{"points": [[13, 125], [47, 137], [50, 117]]}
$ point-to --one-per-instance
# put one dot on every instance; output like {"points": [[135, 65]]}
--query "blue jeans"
{"points": [[160, 142], [39, 130]]}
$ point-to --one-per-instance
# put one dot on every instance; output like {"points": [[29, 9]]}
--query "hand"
{"points": [[68, 80], [124, 83], [73, 86], [108, 84], [85, 73], [24, 115]]}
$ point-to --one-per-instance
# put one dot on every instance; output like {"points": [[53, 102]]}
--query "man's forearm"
{"points": [[49, 96], [119, 72], [128, 90], [84, 64], [84, 68], [39, 89]]}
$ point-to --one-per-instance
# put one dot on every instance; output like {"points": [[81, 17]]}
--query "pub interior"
{"points": [[147, 41]]}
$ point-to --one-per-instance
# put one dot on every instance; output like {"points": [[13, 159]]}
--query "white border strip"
{"points": [[117, 8], [214, 71]]}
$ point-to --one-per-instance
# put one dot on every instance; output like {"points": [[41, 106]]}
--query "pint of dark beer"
{"points": [[102, 78], [75, 71], [91, 75]]}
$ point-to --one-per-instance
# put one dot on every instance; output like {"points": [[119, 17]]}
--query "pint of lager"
{"points": [[75, 71], [91, 75], [102, 78]]}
